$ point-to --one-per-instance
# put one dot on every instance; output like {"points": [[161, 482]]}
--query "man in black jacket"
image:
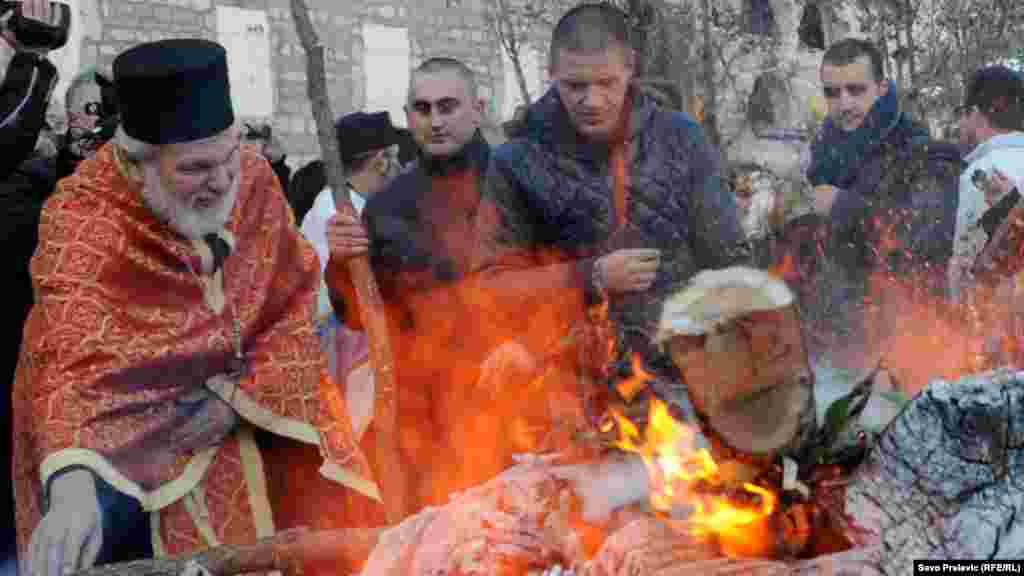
{"points": [[270, 148], [627, 194], [419, 234], [24, 96]]}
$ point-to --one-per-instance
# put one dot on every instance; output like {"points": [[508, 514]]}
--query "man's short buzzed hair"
{"points": [[998, 93], [441, 64], [588, 28], [849, 50]]}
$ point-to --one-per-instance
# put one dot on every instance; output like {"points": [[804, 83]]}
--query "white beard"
{"points": [[190, 222]]}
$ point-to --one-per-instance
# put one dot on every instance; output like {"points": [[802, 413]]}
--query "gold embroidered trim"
{"points": [[159, 550], [256, 482], [195, 505], [259, 416], [167, 494], [332, 471]]}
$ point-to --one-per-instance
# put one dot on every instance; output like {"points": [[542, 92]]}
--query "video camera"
{"points": [[258, 132], [34, 34]]}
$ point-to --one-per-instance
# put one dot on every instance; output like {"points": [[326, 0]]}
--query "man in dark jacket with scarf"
{"points": [[885, 198], [888, 190]]}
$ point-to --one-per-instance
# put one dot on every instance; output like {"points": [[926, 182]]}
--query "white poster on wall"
{"points": [[67, 60], [386, 62], [245, 34], [535, 73]]}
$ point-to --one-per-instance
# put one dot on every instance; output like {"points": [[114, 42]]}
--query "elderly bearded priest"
{"points": [[173, 317]]}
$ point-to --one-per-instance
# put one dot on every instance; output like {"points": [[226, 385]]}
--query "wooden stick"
{"points": [[392, 482], [347, 549]]}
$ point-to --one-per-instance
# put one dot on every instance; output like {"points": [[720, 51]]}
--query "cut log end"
{"points": [[735, 336]]}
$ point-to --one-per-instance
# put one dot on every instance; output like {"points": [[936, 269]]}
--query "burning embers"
{"points": [[723, 504]]}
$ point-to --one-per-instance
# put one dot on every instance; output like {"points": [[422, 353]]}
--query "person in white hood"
{"points": [[991, 123], [369, 155]]}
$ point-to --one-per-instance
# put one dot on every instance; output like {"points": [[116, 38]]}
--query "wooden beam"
{"points": [[391, 484]]}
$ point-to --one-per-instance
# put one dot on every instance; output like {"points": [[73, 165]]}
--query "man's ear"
{"points": [[883, 87], [479, 106], [408, 115], [380, 161], [630, 59]]}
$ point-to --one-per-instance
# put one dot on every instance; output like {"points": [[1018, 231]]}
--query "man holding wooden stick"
{"points": [[418, 233], [173, 316]]}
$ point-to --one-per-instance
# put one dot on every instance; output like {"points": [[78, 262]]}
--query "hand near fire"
{"points": [[824, 198], [999, 185], [628, 270], [605, 486], [346, 236], [70, 535]]}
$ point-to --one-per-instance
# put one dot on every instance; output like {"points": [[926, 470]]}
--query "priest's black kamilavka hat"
{"points": [[174, 90]]}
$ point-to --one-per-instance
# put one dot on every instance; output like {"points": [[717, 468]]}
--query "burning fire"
{"points": [[736, 514], [786, 268], [925, 337]]}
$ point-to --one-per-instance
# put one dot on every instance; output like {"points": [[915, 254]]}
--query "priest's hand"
{"points": [[206, 420], [70, 535], [346, 236], [628, 270]]}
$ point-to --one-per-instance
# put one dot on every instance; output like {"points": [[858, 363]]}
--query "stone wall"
{"points": [[435, 27], [796, 101]]}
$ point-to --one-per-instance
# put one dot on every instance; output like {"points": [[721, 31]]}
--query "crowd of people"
{"points": [[187, 363]]}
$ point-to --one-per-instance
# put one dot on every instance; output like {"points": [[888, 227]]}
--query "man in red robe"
{"points": [[173, 318]]}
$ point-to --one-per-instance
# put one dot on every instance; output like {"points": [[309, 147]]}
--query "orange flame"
{"points": [[676, 470], [637, 381], [786, 268], [923, 337]]}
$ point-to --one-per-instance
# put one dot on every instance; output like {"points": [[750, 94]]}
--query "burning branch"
{"points": [[346, 548], [374, 318]]}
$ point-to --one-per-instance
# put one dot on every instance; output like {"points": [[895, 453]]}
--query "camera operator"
{"points": [[270, 147], [25, 91], [91, 112]]}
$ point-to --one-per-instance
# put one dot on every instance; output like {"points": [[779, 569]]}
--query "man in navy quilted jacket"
{"points": [[603, 192]]}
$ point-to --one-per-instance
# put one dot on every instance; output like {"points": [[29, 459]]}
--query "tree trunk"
{"points": [[911, 54], [392, 485], [684, 33], [524, 90], [509, 39], [639, 10], [710, 90]]}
